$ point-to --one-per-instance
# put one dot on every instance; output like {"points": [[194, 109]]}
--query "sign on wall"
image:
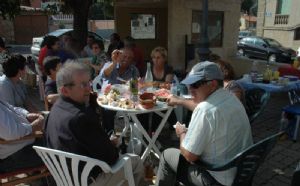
{"points": [[143, 26]]}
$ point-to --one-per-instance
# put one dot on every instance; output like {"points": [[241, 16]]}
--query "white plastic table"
{"points": [[132, 113]]}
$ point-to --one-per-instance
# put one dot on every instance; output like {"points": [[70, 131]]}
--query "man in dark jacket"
{"points": [[74, 126]]}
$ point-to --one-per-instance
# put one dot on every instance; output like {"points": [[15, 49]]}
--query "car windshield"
{"points": [[273, 42]]}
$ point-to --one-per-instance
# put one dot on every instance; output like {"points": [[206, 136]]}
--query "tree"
{"points": [[9, 8], [80, 10]]}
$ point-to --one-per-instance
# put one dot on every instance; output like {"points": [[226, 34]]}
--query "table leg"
{"points": [[296, 128], [152, 140]]}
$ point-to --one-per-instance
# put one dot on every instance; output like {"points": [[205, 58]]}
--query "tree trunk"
{"points": [[80, 22]]}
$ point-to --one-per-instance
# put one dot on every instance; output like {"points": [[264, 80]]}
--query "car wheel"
{"points": [[272, 58], [241, 52]]}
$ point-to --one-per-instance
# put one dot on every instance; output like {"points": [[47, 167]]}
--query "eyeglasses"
{"points": [[81, 85], [198, 84]]}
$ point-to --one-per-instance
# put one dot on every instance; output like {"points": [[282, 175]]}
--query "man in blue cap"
{"points": [[219, 129]]}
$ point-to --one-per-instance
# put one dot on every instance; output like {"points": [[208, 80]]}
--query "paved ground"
{"points": [[278, 168]]}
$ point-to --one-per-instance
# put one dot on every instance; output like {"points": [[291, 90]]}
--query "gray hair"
{"points": [[68, 70]]}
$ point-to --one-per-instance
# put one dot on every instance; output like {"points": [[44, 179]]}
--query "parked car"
{"points": [[245, 33], [265, 48], [298, 52], [37, 41]]}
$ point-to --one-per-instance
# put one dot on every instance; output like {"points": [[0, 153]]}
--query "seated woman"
{"points": [[99, 58], [161, 71], [12, 88], [229, 83], [162, 77]]}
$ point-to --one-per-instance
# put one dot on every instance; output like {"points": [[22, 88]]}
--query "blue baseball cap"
{"points": [[203, 71]]}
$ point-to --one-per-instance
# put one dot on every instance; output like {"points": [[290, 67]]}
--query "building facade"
{"points": [[173, 23], [279, 19]]}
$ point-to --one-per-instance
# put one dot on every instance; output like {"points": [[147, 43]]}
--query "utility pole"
{"points": [[203, 42]]}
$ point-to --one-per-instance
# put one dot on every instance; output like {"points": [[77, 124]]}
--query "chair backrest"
{"points": [[293, 97], [296, 176], [256, 101], [248, 161], [97, 83], [70, 169]]}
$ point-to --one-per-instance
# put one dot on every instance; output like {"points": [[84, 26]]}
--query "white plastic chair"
{"points": [[96, 81], [56, 161]]}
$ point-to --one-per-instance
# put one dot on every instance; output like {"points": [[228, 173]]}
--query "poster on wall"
{"points": [[143, 26]]}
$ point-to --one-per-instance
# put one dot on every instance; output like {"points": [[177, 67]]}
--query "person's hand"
{"points": [[87, 63], [32, 116], [37, 124], [114, 140], [180, 129], [116, 56], [173, 100]]}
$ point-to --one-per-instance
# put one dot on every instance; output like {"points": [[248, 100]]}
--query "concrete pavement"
{"points": [[279, 165]]}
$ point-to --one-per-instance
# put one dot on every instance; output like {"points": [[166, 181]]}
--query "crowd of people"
{"points": [[214, 135]]}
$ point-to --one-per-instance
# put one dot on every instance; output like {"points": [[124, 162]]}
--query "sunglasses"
{"points": [[198, 84], [81, 85]]}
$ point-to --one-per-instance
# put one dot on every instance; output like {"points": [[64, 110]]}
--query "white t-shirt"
{"points": [[219, 129]]}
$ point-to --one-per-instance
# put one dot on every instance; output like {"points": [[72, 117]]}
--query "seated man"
{"points": [[51, 66], [74, 126], [121, 67], [16, 123], [219, 129]]}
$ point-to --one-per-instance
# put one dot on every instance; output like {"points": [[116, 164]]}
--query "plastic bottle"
{"points": [[174, 88], [123, 146], [254, 72], [149, 78]]}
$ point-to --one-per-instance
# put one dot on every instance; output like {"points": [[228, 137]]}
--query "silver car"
{"points": [[37, 41]]}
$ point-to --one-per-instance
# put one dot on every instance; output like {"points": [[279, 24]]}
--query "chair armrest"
{"points": [[120, 164], [37, 134]]}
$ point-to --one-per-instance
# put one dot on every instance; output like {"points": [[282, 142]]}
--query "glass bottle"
{"points": [[149, 78], [134, 87]]}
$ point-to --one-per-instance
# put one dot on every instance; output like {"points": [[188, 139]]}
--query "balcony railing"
{"points": [[281, 19], [62, 17]]}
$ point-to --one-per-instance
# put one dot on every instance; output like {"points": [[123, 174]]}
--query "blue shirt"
{"points": [[14, 94], [131, 72]]}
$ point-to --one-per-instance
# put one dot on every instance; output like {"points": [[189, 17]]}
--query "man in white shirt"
{"points": [[16, 123], [219, 129]]}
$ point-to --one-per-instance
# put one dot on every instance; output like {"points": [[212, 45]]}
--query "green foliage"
{"points": [[246, 5], [101, 11], [9, 8]]}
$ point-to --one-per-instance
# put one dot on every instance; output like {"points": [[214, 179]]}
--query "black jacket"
{"points": [[74, 128]]}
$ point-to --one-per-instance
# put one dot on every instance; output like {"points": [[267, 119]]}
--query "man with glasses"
{"points": [[74, 126], [219, 129]]}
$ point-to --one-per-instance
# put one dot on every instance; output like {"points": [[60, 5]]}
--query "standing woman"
{"points": [[161, 71], [12, 89]]}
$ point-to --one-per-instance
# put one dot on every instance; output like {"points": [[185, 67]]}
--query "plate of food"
{"points": [[162, 94]]}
